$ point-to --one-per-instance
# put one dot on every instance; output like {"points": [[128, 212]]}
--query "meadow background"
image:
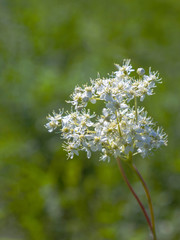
{"points": [[46, 48]]}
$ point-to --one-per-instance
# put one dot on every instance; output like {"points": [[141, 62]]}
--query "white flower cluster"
{"points": [[120, 129]]}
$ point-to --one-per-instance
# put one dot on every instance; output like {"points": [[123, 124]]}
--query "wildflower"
{"points": [[54, 121], [124, 70], [119, 129]]}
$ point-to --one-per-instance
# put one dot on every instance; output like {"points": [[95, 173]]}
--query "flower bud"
{"points": [[140, 71]]}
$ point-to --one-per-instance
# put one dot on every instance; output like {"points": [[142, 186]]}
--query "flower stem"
{"points": [[148, 197], [119, 129], [134, 194], [136, 111]]}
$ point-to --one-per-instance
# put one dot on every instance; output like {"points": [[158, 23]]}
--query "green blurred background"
{"points": [[46, 48]]}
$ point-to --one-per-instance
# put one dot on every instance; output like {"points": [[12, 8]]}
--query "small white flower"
{"points": [[54, 121], [124, 70]]}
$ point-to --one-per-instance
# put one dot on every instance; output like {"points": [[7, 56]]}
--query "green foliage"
{"points": [[46, 48]]}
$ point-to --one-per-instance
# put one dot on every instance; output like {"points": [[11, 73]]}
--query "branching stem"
{"points": [[148, 197], [134, 194], [119, 129], [136, 110]]}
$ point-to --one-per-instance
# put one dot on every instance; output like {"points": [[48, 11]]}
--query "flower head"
{"points": [[119, 129]]}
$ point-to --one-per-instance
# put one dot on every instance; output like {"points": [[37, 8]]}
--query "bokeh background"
{"points": [[46, 48]]}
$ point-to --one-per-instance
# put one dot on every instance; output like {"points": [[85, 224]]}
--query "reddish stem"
{"points": [[134, 194], [148, 197]]}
